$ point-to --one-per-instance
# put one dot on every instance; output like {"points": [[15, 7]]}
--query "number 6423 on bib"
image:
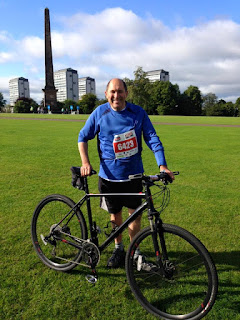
{"points": [[125, 144]]}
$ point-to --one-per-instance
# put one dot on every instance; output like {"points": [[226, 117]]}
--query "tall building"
{"points": [[66, 82], [18, 88], [158, 75], [86, 85]]}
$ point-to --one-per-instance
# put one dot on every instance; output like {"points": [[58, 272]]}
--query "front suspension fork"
{"points": [[160, 252]]}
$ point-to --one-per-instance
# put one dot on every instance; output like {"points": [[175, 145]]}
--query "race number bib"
{"points": [[125, 144]]}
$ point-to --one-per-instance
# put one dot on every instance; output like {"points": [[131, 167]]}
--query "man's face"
{"points": [[116, 94]]}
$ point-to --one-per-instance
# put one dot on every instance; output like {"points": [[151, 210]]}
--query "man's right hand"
{"points": [[86, 170]]}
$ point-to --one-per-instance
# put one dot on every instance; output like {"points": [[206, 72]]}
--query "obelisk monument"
{"points": [[50, 92]]}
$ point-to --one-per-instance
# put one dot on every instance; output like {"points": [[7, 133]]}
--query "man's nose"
{"points": [[116, 94]]}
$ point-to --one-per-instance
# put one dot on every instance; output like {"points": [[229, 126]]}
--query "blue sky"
{"points": [[196, 41]]}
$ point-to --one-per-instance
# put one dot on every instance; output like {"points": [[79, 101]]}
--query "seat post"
{"points": [[92, 224]]}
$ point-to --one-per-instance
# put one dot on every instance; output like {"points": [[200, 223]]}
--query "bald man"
{"points": [[119, 126]]}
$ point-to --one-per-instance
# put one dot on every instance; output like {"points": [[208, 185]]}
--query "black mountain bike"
{"points": [[169, 270]]}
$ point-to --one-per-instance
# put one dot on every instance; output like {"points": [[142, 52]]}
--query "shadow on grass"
{"points": [[228, 268], [231, 259], [226, 262]]}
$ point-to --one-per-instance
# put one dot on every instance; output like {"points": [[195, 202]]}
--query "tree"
{"points": [[139, 89], [209, 101], [193, 102], [60, 106], [229, 109], [68, 103], [164, 97], [99, 102], [159, 97], [23, 105], [237, 103], [237, 107], [87, 103], [128, 82], [2, 101], [221, 109]]}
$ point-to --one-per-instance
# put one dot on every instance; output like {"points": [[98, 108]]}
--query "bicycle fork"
{"points": [[160, 252]]}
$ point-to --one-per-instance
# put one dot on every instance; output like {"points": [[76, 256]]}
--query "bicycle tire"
{"points": [[190, 289], [49, 212]]}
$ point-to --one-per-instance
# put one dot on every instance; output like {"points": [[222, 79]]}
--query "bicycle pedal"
{"points": [[91, 279]]}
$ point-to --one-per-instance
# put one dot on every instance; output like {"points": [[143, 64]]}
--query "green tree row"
{"points": [[26, 105], [86, 105], [163, 97], [159, 97]]}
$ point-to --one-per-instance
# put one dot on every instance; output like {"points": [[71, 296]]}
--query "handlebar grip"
{"points": [[135, 176], [163, 176]]}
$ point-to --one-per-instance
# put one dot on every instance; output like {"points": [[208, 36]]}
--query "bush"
{"points": [[25, 105], [221, 109]]}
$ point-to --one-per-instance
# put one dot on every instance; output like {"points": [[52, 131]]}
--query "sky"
{"points": [[198, 42]]}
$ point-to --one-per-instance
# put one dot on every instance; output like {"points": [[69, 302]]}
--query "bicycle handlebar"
{"points": [[163, 177], [77, 179]]}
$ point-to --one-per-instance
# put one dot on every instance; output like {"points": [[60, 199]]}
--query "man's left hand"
{"points": [[169, 172]]}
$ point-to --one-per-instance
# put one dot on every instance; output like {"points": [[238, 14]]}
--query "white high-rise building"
{"points": [[66, 82], [86, 85], [18, 88], [158, 75]]}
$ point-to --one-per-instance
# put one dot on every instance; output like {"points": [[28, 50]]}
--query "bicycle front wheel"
{"points": [[188, 287], [49, 215]]}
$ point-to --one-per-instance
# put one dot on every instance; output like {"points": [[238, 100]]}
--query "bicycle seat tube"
{"points": [[92, 224]]}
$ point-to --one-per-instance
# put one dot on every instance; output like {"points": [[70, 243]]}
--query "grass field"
{"points": [[35, 160]]}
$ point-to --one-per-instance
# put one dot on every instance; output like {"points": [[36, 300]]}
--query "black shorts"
{"points": [[114, 204]]}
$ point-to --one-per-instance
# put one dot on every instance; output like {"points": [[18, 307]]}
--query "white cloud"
{"points": [[31, 47], [114, 42], [6, 57]]}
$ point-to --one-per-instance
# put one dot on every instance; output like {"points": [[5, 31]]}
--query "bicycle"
{"points": [[169, 270]]}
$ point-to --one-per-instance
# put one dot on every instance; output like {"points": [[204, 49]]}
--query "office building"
{"points": [[158, 75], [66, 82], [18, 88], [86, 85]]}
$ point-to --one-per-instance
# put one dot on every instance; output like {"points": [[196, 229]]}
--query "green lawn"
{"points": [[35, 160], [162, 119]]}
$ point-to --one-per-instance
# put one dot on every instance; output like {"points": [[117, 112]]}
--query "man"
{"points": [[119, 126]]}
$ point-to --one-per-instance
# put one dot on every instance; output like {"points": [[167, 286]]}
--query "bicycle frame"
{"points": [[148, 204]]}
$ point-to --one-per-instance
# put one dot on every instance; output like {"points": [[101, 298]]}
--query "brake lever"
{"points": [[165, 178]]}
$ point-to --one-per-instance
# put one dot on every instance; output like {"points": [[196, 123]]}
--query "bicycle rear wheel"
{"points": [[189, 289], [56, 253]]}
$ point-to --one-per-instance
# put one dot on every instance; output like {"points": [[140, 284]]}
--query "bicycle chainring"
{"points": [[90, 254]]}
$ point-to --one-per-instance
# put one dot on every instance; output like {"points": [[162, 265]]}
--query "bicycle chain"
{"points": [[87, 243]]}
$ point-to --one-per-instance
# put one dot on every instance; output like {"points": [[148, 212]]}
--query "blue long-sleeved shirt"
{"points": [[120, 140]]}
